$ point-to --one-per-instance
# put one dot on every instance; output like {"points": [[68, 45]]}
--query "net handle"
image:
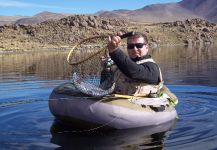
{"points": [[92, 55]]}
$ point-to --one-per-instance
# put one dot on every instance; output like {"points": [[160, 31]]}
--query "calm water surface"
{"points": [[27, 79]]}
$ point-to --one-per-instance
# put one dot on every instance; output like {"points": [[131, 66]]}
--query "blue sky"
{"points": [[32, 7]]}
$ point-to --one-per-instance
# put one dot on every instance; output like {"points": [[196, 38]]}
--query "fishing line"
{"points": [[18, 102]]}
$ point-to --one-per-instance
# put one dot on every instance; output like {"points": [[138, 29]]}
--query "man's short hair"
{"points": [[138, 35]]}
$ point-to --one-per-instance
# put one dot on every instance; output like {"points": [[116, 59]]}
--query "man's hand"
{"points": [[114, 42]]}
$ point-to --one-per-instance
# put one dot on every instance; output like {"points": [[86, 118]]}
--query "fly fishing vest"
{"points": [[127, 86]]}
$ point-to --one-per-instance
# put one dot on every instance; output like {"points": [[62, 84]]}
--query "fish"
{"points": [[88, 88]]}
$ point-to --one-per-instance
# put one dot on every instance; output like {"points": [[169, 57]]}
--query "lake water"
{"points": [[27, 79]]}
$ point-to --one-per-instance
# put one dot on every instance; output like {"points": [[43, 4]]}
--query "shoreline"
{"points": [[50, 49]]}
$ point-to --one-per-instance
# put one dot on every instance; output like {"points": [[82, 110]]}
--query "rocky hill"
{"points": [[64, 33], [57, 33]]}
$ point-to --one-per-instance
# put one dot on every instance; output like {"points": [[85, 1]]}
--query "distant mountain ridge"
{"points": [[186, 9], [155, 13], [38, 18], [41, 17], [9, 19], [204, 8]]}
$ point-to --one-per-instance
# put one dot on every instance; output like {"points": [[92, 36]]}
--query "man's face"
{"points": [[136, 47]]}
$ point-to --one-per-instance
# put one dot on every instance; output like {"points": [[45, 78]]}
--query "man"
{"points": [[138, 74]]}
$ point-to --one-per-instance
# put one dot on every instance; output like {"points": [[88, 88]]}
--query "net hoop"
{"points": [[70, 54]]}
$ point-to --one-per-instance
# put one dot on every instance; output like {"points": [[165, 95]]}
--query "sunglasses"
{"points": [[138, 45]]}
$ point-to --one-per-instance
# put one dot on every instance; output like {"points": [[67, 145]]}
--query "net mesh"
{"points": [[89, 59], [85, 58]]}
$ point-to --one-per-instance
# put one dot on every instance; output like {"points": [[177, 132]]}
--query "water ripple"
{"points": [[197, 112]]}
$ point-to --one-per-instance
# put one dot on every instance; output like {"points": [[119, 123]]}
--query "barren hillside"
{"points": [[153, 13], [9, 19], [204, 8], [41, 17], [186, 9], [64, 33]]}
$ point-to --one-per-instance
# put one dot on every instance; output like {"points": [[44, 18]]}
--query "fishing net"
{"points": [[86, 58], [90, 61]]}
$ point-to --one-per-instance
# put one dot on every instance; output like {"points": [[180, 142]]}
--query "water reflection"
{"points": [[139, 138], [188, 65], [179, 65], [46, 65]]}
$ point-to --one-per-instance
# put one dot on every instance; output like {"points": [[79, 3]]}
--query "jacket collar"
{"points": [[141, 58]]}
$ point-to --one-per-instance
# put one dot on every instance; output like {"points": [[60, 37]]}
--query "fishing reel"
{"points": [[107, 63]]}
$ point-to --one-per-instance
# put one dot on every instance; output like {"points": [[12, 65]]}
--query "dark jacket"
{"points": [[147, 72]]}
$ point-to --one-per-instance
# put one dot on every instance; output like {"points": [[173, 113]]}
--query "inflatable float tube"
{"points": [[118, 112]]}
